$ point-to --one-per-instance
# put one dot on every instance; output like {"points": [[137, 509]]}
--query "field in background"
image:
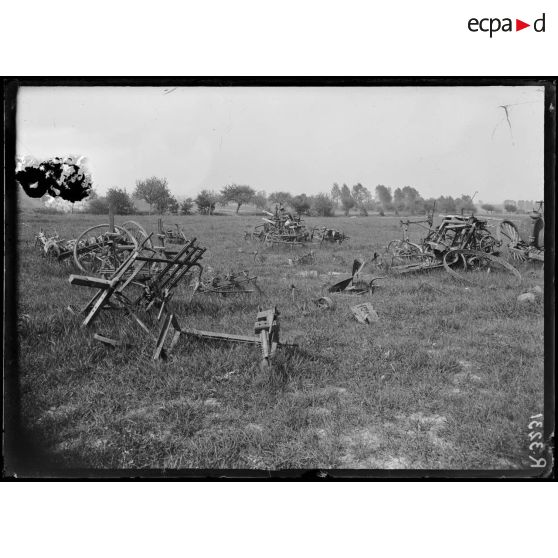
{"points": [[447, 379]]}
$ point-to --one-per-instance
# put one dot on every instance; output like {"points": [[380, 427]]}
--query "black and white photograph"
{"points": [[337, 278]]}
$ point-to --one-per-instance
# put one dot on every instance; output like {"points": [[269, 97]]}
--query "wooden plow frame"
{"points": [[266, 336], [157, 285]]}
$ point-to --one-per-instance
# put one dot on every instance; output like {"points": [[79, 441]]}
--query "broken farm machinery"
{"points": [[462, 245], [145, 282]]}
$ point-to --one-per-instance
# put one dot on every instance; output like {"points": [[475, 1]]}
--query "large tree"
{"points": [[238, 194], [154, 191]]}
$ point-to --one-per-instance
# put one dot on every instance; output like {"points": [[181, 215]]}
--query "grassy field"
{"points": [[448, 377]]}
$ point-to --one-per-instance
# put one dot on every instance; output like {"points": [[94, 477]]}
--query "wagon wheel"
{"points": [[138, 232], [97, 251], [487, 243], [403, 251], [480, 268], [509, 237]]}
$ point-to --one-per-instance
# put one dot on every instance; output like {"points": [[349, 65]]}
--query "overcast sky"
{"points": [[442, 141]]}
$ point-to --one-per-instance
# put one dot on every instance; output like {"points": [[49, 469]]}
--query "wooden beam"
{"points": [[95, 282], [221, 336], [107, 340]]}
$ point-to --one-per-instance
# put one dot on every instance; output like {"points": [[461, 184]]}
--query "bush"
{"points": [[322, 205], [301, 204], [98, 206], [47, 211], [187, 207]]}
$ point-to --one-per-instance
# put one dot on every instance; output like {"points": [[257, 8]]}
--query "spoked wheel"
{"points": [[480, 268], [138, 232], [510, 240], [99, 252], [404, 252], [487, 243]]}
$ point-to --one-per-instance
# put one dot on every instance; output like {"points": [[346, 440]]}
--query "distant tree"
{"points": [[361, 194], [121, 201], [154, 191], [282, 198], [172, 205], [98, 205], [187, 206], [301, 204], [237, 194], [488, 207], [446, 204], [411, 196], [260, 199], [510, 207], [162, 204], [429, 205], [347, 200], [465, 203], [398, 200], [322, 204], [206, 201], [383, 194], [336, 193]]}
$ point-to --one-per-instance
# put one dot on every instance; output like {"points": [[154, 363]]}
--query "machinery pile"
{"points": [[462, 245], [282, 228], [138, 280]]}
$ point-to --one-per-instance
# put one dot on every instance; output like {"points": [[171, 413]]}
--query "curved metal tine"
{"points": [[141, 246]]}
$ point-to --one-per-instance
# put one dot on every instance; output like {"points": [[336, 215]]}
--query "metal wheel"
{"points": [[487, 243], [99, 252], [480, 268], [508, 235], [138, 232], [403, 251]]}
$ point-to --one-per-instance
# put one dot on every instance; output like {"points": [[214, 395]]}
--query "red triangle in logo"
{"points": [[519, 25]]}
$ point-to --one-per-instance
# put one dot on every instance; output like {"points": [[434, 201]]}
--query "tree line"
{"points": [[156, 193]]}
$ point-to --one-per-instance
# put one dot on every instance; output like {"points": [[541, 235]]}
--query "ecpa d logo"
{"points": [[492, 25]]}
